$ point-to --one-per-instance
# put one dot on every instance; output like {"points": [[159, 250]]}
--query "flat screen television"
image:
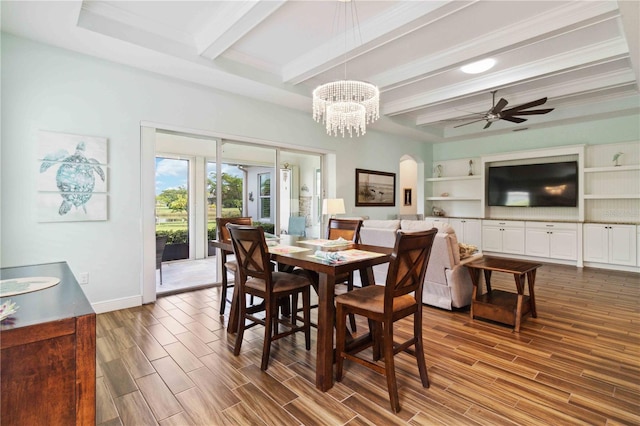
{"points": [[534, 185]]}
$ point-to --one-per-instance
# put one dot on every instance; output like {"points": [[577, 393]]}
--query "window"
{"points": [[264, 183]]}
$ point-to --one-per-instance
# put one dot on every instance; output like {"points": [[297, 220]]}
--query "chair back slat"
{"points": [[221, 227], [408, 264], [250, 248], [348, 229]]}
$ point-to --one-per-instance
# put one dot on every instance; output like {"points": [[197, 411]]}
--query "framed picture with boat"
{"points": [[375, 188]]}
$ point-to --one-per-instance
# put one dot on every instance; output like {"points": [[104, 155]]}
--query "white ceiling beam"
{"points": [[598, 53], [630, 15], [554, 92], [403, 18], [234, 22], [624, 104], [553, 23], [109, 11]]}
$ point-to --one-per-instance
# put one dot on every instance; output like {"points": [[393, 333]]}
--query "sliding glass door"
{"points": [[300, 191], [172, 205], [199, 179], [247, 174]]}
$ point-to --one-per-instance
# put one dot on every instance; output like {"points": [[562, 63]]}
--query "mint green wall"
{"points": [[611, 130], [47, 88]]}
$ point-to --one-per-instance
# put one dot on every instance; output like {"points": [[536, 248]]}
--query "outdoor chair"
{"points": [[161, 242]]}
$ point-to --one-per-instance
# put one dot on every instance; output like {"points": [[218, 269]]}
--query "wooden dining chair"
{"points": [[256, 278], [348, 229], [400, 297], [230, 265]]}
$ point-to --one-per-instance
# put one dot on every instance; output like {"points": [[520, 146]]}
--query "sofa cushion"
{"points": [[415, 225], [453, 245], [381, 224]]}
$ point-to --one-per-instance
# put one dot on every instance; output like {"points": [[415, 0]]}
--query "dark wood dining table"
{"points": [[327, 273]]}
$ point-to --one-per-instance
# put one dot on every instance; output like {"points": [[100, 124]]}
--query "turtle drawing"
{"points": [[75, 177]]}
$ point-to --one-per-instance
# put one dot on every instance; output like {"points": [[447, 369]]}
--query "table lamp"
{"points": [[333, 206]]}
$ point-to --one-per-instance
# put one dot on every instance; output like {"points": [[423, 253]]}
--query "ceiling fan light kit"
{"points": [[346, 106], [478, 66]]}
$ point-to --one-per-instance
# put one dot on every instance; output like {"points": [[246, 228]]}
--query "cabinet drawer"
{"points": [[509, 223], [552, 225]]}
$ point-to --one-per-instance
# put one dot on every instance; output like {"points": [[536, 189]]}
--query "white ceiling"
{"points": [[582, 55]]}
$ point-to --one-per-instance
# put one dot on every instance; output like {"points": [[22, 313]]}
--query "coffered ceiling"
{"points": [[581, 55]]}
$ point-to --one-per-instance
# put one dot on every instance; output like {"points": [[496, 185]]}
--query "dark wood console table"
{"points": [[48, 352], [498, 305]]}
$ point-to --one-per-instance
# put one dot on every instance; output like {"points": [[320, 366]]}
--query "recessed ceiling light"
{"points": [[479, 66]]}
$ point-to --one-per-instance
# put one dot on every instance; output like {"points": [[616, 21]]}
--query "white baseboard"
{"points": [[612, 267], [117, 304]]}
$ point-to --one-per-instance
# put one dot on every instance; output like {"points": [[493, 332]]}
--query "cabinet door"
{"points": [[563, 244], [596, 243], [473, 232], [622, 244], [537, 242], [513, 240], [491, 238]]}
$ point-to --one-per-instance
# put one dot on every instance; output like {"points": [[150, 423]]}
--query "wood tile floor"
{"points": [[170, 363]]}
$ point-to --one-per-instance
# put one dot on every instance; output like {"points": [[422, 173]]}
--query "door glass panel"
{"points": [[211, 202], [300, 190], [247, 183], [172, 206]]}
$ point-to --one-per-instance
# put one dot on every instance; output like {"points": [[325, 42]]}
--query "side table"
{"points": [[498, 305]]}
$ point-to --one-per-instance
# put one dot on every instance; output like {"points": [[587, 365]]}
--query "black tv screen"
{"points": [[534, 185]]}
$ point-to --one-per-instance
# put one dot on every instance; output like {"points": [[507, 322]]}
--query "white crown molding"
{"points": [[554, 92], [502, 40], [376, 32], [238, 19], [594, 54], [625, 104], [110, 11]]}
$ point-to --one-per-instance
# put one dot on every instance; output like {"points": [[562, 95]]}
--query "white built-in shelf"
{"points": [[611, 169], [442, 179], [611, 196], [453, 199]]}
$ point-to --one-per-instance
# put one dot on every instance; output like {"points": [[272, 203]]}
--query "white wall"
{"points": [[57, 90]]}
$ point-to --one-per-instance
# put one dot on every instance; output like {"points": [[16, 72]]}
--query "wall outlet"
{"points": [[83, 278]]}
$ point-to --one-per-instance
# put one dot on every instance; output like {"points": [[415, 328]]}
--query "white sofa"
{"points": [[447, 282]]}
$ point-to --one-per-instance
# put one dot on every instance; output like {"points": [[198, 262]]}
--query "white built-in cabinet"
{"points": [[608, 243], [454, 190], [439, 219], [551, 239], [638, 247], [503, 236], [468, 231], [601, 229], [612, 192]]}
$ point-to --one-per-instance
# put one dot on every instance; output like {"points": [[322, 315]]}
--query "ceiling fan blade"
{"points": [[514, 119], [515, 109], [471, 122], [534, 112], [486, 126], [499, 106]]}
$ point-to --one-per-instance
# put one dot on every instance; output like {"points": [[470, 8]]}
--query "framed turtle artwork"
{"points": [[72, 177]]}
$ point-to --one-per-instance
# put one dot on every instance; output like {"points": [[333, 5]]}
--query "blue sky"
{"points": [[172, 173]]}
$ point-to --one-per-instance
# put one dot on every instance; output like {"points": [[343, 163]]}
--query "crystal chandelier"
{"points": [[346, 105]]}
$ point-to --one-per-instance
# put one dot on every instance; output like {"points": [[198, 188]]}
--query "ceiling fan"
{"points": [[497, 112]]}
